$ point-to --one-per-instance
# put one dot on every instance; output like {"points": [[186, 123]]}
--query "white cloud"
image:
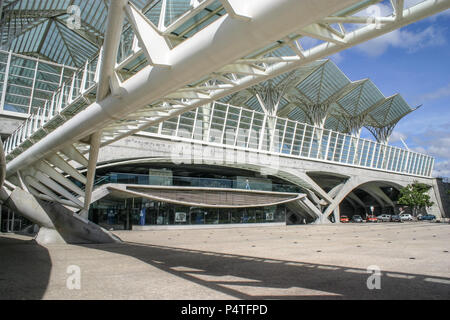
{"points": [[376, 10], [337, 57], [440, 147], [397, 136], [438, 94], [420, 150], [435, 143], [308, 43], [404, 39], [442, 169]]}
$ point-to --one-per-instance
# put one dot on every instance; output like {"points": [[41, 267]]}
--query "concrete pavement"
{"points": [[295, 262]]}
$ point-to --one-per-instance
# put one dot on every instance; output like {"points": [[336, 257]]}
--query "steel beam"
{"points": [[113, 34], [93, 156]]}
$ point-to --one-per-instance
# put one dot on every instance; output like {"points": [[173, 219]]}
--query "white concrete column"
{"points": [[93, 156]]}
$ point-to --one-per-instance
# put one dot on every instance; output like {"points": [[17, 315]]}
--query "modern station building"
{"points": [[286, 150]]}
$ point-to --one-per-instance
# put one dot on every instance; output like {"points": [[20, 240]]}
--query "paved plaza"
{"points": [[293, 262]]}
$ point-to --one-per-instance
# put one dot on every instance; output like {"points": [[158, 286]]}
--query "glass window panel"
{"points": [[380, 160], [278, 133], [256, 129], [244, 128], [399, 161], [332, 146], [345, 142], [307, 141], [363, 147], [391, 158], [288, 137], [404, 161], [298, 138], [217, 124], [169, 127], [316, 143], [351, 150], [323, 142], [369, 155], [408, 163], [231, 125]]}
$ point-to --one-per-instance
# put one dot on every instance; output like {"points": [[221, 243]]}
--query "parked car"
{"points": [[427, 217], [384, 218], [357, 218], [406, 217], [371, 218], [344, 219], [396, 218]]}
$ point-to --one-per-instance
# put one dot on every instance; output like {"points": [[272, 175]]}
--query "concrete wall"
{"points": [[442, 188], [9, 124]]}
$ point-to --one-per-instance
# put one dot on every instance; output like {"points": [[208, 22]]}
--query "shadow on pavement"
{"points": [[245, 277], [24, 269]]}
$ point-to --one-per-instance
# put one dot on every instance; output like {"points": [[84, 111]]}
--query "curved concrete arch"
{"points": [[375, 189], [351, 185], [351, 202], [374, 196], [297, 178], [353, 197], [387, 183], [334, 174], [171, 194]]}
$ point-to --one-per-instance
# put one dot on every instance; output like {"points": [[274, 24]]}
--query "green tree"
{"points": [[415, 196]]}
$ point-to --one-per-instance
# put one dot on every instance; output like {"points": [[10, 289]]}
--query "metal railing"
{"points": [[231, 126], [63, 103]]}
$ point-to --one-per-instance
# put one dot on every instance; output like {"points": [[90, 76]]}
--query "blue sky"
{"points": [[415, 62]]}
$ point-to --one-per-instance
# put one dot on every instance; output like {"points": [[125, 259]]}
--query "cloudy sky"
{"points": [[415, 62]]}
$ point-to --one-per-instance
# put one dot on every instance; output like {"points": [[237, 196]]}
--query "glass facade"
{"points": [[112, 212], [29, 82], [169, 180], [142, 212]]}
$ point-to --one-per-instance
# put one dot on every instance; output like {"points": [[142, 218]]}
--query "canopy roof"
{"points": [[346, 103], [41, 28]]}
